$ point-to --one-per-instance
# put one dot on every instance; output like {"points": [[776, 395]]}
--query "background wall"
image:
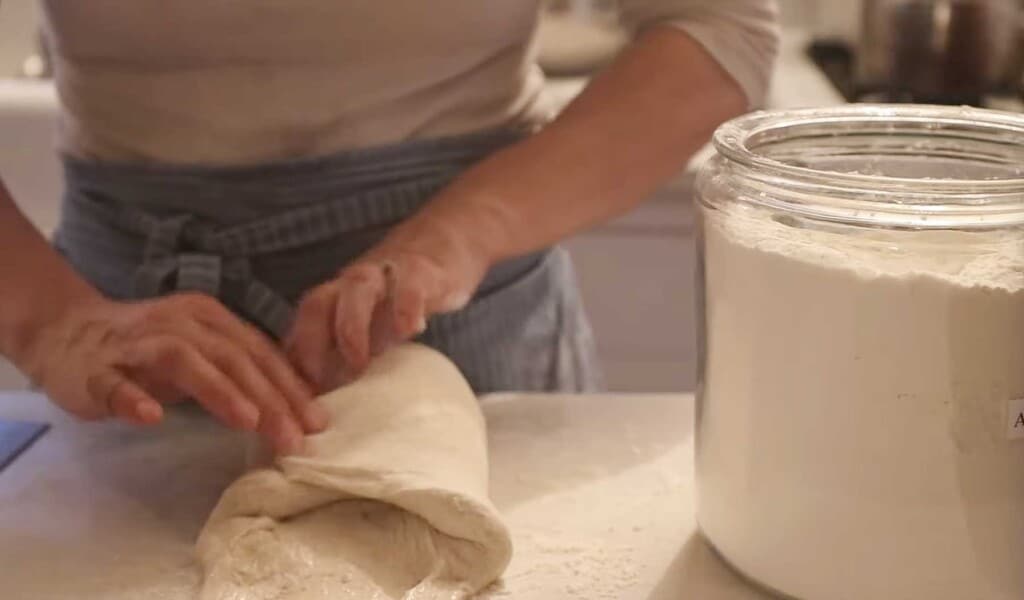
{"points": [[834, 18], [17, 34]]}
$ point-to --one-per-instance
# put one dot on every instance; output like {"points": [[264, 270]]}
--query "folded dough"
{"points": [[389, 502]]}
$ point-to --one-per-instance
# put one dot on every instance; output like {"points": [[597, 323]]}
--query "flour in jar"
{"points": [[854, 438]]}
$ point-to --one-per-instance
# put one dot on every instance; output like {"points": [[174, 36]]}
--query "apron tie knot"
{"points": [[181, 255]]}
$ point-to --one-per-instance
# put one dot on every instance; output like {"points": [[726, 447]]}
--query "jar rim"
{"points": [[993, 200]]}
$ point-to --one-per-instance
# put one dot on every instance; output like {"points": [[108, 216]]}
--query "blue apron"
{"points": [[258, 237]]}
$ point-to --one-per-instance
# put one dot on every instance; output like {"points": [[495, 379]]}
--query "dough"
{"points": [[390, 502]]}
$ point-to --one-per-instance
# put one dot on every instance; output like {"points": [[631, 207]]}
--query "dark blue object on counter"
{"points": [[16, 437]]}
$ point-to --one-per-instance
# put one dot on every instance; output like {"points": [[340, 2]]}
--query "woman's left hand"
{"points": [[381, 299]]}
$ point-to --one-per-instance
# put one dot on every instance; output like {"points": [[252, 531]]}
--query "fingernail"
{"points": [[149, 413], [316, 416], [291, 439], [248, 417], [290, 446], [454, 302], [421, 325]]}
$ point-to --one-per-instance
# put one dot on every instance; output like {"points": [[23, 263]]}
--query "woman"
{"points": [[260, 196]]}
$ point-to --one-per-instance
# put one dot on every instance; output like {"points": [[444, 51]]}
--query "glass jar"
{"points": [[860, 424]]}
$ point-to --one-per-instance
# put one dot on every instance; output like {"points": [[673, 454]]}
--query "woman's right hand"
{"points": [[115, 359]]}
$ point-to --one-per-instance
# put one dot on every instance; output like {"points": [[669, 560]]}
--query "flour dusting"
{"points": [[589, 569]]}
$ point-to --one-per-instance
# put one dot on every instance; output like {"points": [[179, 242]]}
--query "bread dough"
{"points": [[390, 502]]}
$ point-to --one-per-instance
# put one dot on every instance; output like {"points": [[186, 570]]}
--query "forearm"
{"points": [[36, 284], [631, 129]]}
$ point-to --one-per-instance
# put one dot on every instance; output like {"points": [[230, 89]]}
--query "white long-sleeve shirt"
{"points": [[241, 81]]}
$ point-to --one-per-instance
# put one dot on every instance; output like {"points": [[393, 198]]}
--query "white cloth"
{"points": [[391, 500], [236, 81]]}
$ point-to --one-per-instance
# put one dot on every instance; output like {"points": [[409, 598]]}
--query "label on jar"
{"points": [[1016, 420]]}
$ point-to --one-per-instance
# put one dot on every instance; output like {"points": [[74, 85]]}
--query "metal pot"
{"points": [[945, 51]]}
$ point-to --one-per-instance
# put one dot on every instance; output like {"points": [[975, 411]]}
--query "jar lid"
{"points": [[895, 165]]}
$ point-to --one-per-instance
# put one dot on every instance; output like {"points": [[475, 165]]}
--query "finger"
{"points": [[439, 295], [259, 346], [131, 403], [277, 420], [284, 434], [270, 364], [163, 392], [361, 289], [408, 302], [382, 329], [296, 392], [115, 395], [170, 359], [308, 344]]}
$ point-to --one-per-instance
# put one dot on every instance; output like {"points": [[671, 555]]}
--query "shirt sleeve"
{"points": [[742, 35]]}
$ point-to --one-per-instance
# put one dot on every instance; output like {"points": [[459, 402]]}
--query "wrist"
{"points": [[453, 240], [36, 332]]}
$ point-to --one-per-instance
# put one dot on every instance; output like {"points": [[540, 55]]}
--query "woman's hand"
{"points": [[383, 298], [110, 359], [632, 129]]}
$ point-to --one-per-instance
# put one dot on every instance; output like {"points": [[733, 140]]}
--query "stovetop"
{"points": [[837, 61]]}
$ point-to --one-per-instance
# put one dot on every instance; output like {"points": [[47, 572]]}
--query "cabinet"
{"points": [[18, 31], [637, 275]]}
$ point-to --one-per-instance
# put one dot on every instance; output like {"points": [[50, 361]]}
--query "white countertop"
{"points": [[598, 491]]}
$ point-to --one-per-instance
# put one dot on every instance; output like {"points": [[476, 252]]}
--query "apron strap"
{"points": [[185, 253], [196, 237], [170, 265]]}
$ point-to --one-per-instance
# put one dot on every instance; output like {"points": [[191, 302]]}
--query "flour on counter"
{"points": [[853, 439], [592, 540], [589, 569]]}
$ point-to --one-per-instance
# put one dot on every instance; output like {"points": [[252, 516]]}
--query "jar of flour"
{"points": [[861, 414]]}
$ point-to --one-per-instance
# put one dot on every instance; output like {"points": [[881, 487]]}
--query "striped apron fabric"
{"points": [[258, 237]]}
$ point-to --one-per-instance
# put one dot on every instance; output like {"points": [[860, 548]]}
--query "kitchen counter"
{"points": [[598, 491]]}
